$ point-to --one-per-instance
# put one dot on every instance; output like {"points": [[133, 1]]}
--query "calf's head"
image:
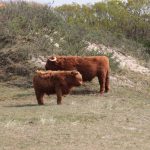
{"points": [[75, 78]]}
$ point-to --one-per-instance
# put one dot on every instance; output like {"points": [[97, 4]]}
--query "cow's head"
{"points": [[52, 63], [75, 78]]}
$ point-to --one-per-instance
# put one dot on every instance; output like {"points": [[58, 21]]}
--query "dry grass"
{"points": [[118, 120]]}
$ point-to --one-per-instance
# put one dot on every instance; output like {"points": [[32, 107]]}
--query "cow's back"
{"points": [[43, 85], [90, 66]]}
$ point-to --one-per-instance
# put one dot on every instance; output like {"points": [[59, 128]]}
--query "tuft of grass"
{"points": [[83, 118]]}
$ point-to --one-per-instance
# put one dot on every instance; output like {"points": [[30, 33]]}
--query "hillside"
{"points": [[31, 32]]}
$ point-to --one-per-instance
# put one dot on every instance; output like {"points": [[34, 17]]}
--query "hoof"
{"points": [[107, 90], [59, 103], [101, 93], [40, 104]]}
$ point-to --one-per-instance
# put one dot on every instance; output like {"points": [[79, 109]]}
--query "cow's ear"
{"points": [[74, 72]]}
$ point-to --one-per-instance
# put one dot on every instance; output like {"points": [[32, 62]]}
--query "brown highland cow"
{"points": [[89, 67], [51, 82]]}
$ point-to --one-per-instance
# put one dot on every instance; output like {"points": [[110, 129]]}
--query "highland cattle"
{"points": [[51, 82], [89, 67]]}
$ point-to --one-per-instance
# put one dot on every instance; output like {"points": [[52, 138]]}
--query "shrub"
{"points": [[18, 69]]}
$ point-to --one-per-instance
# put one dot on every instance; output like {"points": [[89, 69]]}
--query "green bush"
{"points": [[23, 18], [18, 69]]}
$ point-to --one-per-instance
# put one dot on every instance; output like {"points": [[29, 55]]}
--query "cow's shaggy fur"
{"points": [[51, 82], [89, 67]]}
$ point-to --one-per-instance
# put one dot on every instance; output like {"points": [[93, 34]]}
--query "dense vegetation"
{"points": [[131, 18], [31, 29]]}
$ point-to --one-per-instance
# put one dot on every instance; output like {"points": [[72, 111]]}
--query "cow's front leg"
{"points": [[59, 95], [39, 97]]}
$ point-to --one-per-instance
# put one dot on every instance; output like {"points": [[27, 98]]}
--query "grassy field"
{"points": [[120, 120]]}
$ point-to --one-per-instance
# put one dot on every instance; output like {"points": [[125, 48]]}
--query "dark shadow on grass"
{"points": [[84, 92], [26, 105]]}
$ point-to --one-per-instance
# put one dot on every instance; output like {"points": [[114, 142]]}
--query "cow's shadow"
{"points": [[84, 92], [21, 105], [29, 105]]}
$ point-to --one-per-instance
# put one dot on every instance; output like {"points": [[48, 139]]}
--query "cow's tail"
{"points": [[107, 81], [107, 86]]}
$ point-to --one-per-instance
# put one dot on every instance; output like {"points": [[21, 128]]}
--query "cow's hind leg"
{"points": [[102, 81], [39, 97], [107, 82]]}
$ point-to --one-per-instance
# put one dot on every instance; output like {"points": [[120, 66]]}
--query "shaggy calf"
{"points": [[88, 66], [51, 82]]}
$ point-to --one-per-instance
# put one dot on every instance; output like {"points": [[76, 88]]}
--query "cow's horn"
{"points": [[53, 59]]}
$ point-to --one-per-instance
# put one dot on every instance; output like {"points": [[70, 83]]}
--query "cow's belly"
{"points": [[87, 78], [50, 91], [88, 74]]}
